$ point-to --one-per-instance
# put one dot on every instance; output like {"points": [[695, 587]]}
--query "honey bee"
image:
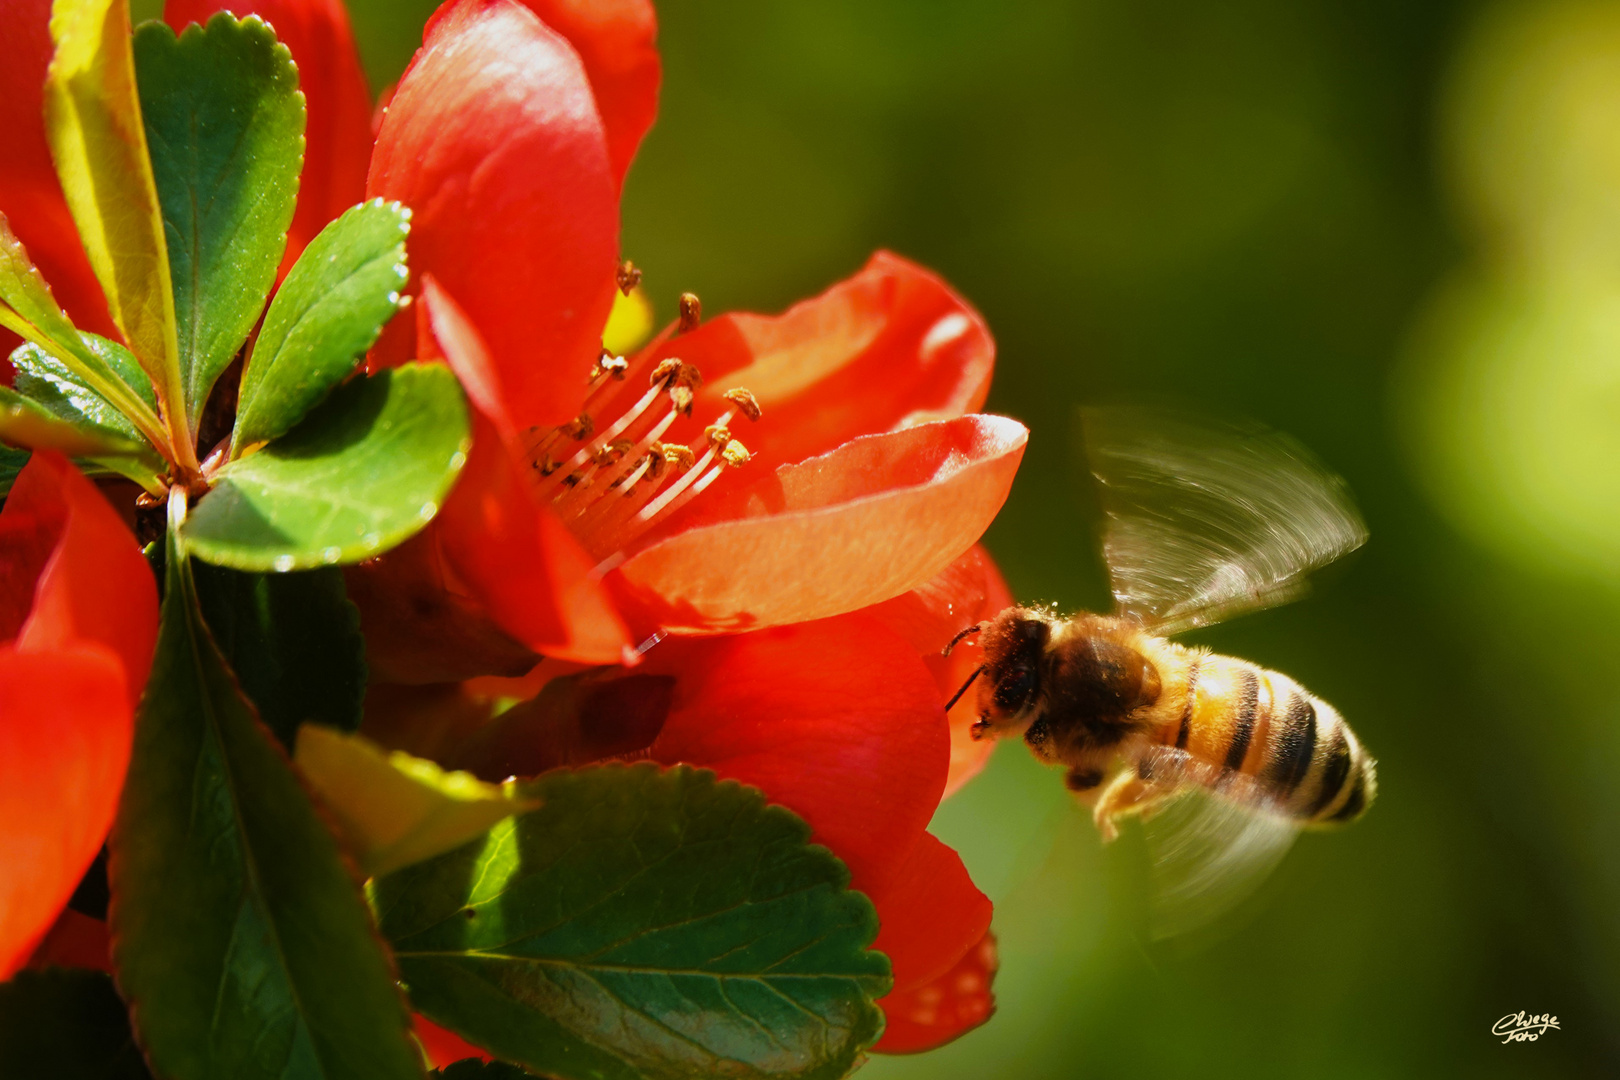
{"points": [[1203, 521]]}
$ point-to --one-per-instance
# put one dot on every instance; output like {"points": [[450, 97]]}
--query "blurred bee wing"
{"points": [[1212, 841], [1207, 520]]}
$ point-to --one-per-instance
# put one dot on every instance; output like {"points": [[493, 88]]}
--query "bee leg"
{"points": [[1126, 793], [981, 726]]}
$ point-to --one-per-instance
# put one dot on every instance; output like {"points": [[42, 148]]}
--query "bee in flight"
{"points": [[1224, 760]]}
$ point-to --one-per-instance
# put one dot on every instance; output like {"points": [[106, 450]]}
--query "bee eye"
{"points": [[1015, 689]]}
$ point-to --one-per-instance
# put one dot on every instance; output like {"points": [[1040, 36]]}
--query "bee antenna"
{"points": [[958, 695], [974, 629]]}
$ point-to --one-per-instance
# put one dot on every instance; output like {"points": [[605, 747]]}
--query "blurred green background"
{"points": [[1390, 228]]}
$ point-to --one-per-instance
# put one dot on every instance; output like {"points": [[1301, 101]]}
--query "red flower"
{"points": [[78, 622], [508, 137], [838, 719]]}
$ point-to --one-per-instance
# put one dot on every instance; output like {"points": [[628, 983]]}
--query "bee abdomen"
{"points": [[1264, 725]]}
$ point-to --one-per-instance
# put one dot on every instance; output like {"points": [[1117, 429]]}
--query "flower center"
{"points": [[613, 479]]}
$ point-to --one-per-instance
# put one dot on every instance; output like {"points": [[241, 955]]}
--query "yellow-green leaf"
{"points": [[93, 121], [395, 809]]}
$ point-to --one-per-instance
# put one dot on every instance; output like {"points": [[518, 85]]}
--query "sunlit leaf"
{"points": [[47, 381], [293, 641], [28, 309], [364, 471], [331, 307], [225, 123], [239, 937], [643, 924], [27, 423], [395, 809], [66, 1023], [93, 121]]}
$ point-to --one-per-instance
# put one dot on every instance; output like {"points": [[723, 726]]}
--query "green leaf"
{"points": [[66, 1023], [93, 123], [28, 308], [12, 461], [293, 641], [395, 809], [643, 924], [363, 472], [239, 936], [225, 123], [329, 310], [48, 382], [25, 422]]}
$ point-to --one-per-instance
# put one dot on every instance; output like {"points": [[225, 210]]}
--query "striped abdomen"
{"points": [[1294, 746]]}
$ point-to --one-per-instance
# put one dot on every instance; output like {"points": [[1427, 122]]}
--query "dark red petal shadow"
{"points": [[337, 138], [494, 140], [65, 732], [868, 521], [836, 720], [615, 40], [950, 1006]]}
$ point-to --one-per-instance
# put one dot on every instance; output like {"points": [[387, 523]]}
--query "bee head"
{"points": [[1013, 643]]}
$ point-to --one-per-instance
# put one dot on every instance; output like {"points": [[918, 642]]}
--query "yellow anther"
{"points": [[717, 435], [666, 371], [681, 398], [612, 452], [580, 428], [689, 375], [734, 453], [608, 364], [691, 312], [629, 276], [746, 402], [679, 457], [548, 465], [656, 463]]}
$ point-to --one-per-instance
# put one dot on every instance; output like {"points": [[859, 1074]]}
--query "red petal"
{"points": [[930, 916], [836, 720], [65, 731], [872, 519], [75, 940], [494, 141], [937, 1012], [968, 591], [442, 1045], [891, 347], [96, 586], [615, 41], [337, 138], [30, 195]]}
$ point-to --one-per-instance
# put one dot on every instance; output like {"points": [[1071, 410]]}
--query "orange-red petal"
{"points": [[935, 1013], [30, 195], [337, 137], [836, 720], [891, 347], [66, 723], [522, 564], [966, 592], [930, 915], [493, 139], [868, 521], [94, 586], [444, 1046], [615, 40]]}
